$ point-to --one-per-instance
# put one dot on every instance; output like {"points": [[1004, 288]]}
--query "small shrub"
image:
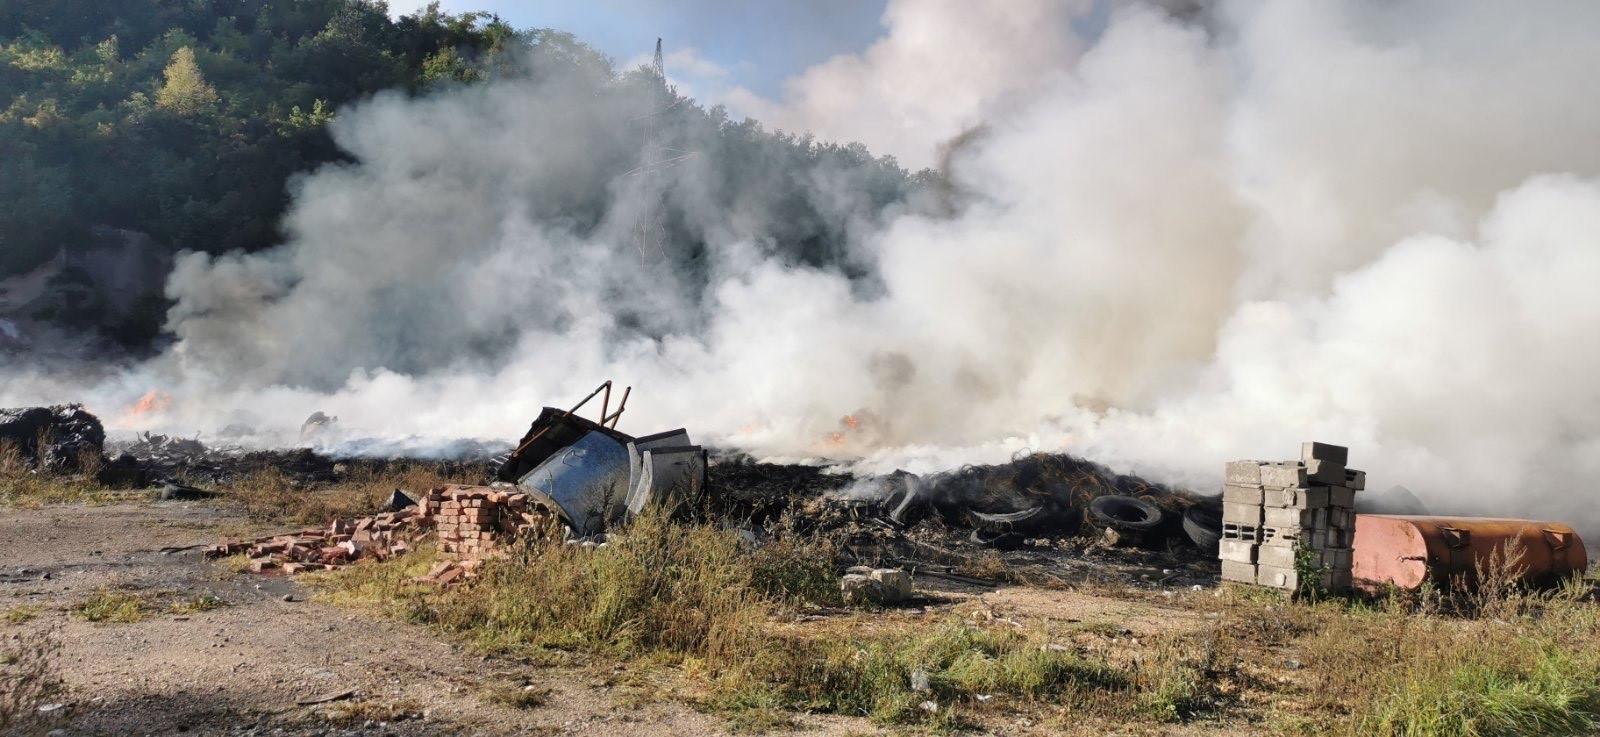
{"points": [[113, 606]]}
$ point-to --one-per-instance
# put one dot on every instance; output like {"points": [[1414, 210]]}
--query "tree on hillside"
{"points": [[186, 91]]}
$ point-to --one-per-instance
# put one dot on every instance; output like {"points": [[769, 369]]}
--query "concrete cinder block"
{"points": [[1355, 479], [1241, 514], [1292, 517], [896, 582], [1240, 551], [1236, 531], [1336, 559], [1243, 473], [1325, 472], [1284, 536], [1312, 451], [1315, 497], [1280, 557], [1238, 494], [1341, 497], [1277, 577], [1285, 474], [1233, 570]]}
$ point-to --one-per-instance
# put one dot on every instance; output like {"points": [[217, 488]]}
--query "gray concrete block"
{"points": [[1241, 514], [1325, 472], [1241, 551], [1286, 474], [1243, 473], [1236, 531], [1291, 517], [1273, 555], [1284, 536], [1355, 479], [1341, 497], [1277, 577], [1238, 494], [1233, 570], [1311, 451], [1315, 497]]}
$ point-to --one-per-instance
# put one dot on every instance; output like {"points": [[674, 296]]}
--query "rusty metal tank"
{"points": [[1407, 551]]}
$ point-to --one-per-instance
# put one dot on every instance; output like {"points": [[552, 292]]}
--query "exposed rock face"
{"points": [[53, 438]]}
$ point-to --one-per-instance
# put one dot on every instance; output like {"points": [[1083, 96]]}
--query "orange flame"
{"points": [[154, 400]]}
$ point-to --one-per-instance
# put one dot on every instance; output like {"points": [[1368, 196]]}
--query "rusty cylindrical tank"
{"points": [[1406, 551]]}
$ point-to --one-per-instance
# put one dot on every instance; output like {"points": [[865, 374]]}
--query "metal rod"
{"points": [[568, 413], [622, 405]]}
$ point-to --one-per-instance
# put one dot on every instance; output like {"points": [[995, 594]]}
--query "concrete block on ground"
{"points": [[1233, 570]]}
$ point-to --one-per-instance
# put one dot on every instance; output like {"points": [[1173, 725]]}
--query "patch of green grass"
{"points": [[203, 602], [20, 614], [921, 675], [113, 606], [1554, 696]]}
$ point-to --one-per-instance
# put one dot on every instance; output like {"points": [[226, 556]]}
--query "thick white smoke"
{"points": [[1182, 240]]}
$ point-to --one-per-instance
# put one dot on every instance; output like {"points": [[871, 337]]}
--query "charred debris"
{"points": [[1041, 518]]}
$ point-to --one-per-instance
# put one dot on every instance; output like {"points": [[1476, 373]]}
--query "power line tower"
{"points": [[650, 230]]}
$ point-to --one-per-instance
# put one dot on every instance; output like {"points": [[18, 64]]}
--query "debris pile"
{"points": [[342, 542], [1285, 520], [62, 438]]}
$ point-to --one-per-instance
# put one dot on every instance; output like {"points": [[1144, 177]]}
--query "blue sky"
{"points": [[754, 43]]}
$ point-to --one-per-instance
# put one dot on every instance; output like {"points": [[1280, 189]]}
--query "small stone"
{"points": [[288, 597]]}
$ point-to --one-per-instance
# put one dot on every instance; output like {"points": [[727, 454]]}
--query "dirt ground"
{"points": [[248, 666]]}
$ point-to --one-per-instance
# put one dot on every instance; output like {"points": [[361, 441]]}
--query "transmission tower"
{"points": [[650, 230]]}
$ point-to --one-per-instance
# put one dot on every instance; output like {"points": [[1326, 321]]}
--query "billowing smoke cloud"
{"points": [[1174, 240]]}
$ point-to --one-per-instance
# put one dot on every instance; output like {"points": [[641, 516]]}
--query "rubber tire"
{"points": [[1203, 525], [997, 539], [1124, 513]]}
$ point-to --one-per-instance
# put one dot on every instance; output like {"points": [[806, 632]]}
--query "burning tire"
{"points": [[1203, 524], [1124, 513]]}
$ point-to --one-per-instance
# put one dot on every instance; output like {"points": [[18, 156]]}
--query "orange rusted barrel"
{"points": [[1406, 551]]}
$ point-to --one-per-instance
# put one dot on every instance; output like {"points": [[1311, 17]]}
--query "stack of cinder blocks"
{"points": [[1278, 515]]}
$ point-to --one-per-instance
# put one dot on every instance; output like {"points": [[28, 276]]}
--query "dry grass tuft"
{"points": [[106, 605], [27, 679], [517, 697], [273, 495], [20, 614]]}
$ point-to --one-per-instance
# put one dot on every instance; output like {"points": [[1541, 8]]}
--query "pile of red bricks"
{"points": [[340, 543], [472, 522], [477, 521]]}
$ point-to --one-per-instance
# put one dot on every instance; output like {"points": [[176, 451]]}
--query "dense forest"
{"points": [[186, 121]]}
